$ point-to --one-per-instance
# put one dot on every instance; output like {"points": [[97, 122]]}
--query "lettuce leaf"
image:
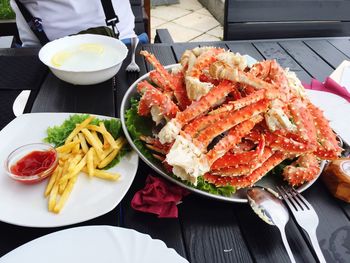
{"points": [[57, 135], [138, 125]]}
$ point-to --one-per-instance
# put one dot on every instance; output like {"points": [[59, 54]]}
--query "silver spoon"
{"points": [[270, 209]]}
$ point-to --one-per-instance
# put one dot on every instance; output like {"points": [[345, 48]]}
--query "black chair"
{"points": [[141, 10], [163, 36], [266, 19], [9, 29]]}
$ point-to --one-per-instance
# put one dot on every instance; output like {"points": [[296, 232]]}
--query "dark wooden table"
{"points": [[206, 230]]}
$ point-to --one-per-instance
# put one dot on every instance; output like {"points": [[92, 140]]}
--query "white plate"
{"points": [[25, 205], [336, 110], [92, 244]]}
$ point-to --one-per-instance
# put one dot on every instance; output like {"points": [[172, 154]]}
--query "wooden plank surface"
{"points": [[245, 31], [211, 231], [272, 50], [265, 241], [342, 44], [7, 98], [167, 230], [25, 72], [307, 59], [19, 52], [245, 49], [287, 10], [327, 52], [58, 96], [346, 207]]}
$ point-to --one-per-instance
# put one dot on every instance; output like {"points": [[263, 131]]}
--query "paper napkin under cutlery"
{"points": [[329, 86]]}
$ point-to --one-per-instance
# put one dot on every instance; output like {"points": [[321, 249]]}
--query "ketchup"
{"points": [[34, 163]]}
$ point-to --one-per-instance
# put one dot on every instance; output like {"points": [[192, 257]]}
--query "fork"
{"points": [[133, 67], [304, 214]]}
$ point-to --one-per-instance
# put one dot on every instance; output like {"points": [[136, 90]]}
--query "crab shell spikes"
{"points": [[247, 180], [171, 129], [155, 102], [304, 169]]}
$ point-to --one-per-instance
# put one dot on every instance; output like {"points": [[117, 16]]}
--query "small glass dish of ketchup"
{"points": [[31, 163]]}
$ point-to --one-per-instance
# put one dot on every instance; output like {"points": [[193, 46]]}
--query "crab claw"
{"points": [[304, 169], [155, 102]]}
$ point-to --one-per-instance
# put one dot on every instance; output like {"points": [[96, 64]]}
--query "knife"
{"points": [[345, 78]]}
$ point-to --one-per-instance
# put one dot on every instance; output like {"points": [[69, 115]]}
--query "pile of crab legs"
{"points": [[258, 117]]}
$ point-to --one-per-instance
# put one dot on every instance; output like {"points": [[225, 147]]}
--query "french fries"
{"points": [[87, 149]]}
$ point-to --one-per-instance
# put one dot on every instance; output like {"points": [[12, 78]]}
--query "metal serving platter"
{"points": [[238, 197]]}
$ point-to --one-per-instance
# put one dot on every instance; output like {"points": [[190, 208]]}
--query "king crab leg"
{"points": [[205, 103], [232, 159], [305, 124], [220, 70], [164, 74], [202, 122], [180, 91], [156, 78], [197, 108], [327, 147], [247, 180], [167, 81], [285, 144], [233, 137], [233, 118], [242, 169]]}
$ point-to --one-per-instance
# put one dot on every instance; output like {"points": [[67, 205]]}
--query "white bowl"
{"points": [[91, 70]]}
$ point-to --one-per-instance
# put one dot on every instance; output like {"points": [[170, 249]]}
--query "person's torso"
{"points": [[65, 17]]}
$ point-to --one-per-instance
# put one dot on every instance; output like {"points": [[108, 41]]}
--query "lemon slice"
{"points": [[93, 48], [60, 57]]}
